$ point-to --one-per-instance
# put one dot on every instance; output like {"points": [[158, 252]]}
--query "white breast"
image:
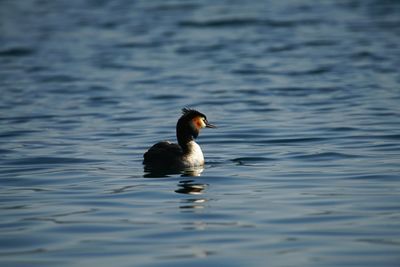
{"points": [[195, 156]]}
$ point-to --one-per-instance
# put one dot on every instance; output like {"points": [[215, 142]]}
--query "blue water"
{"points": [[304, 169]]}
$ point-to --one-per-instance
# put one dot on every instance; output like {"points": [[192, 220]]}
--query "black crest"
{"points": [[191, 113]]}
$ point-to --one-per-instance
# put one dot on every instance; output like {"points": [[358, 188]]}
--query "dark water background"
{"points": [[304, 169]]}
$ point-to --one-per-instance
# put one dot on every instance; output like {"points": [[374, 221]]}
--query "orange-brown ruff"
{"points": [[187, 153]]}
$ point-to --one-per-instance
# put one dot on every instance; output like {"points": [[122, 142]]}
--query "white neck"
{"points": [[195, 155]]}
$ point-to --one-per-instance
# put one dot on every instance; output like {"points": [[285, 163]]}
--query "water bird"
{"points": [[187, 153]]}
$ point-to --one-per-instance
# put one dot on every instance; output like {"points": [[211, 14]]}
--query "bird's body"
{"points": [[187, 153]]}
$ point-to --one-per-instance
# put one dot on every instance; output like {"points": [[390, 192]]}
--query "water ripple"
{"points": [[245, 22], [48, 160], [293, 140], [17, 52], [251, 160], [16, 133], [325, 156]]}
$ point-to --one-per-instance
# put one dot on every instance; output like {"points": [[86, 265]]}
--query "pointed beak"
{"points": [[209, 125]]}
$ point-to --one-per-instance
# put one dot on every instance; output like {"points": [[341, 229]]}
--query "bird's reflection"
{"points": [[159, 173], [186, 186], [195, 189], [190, 187]]}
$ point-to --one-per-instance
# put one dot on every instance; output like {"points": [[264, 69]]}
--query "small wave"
{"points": [[302, 91], [128, 118], [166, 97], [264, 109], [118, 66], [58, 78], [5, 151], [16, 133], [99, 88], [23, 119], [137, 44], [116, 134], [102, 100], [313, 219], [325, 156], [16, 52], [318, 43], [257, 71], [49, 160], [361, 55], [386, 177], [378, 137], [313, 71], [282, 48], [174, 7], [243, 22], [343, 129], [24, 252], [230, 22], [294, 46], [254, 135], [251, 160], [250, 71], [380, 241], [293, 140], [199, 48], [390, 136]]}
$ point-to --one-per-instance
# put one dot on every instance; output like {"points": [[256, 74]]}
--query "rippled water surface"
{"points": [[304, 169]]}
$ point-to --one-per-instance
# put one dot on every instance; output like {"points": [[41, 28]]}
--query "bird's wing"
{"points": [[163, 153]]}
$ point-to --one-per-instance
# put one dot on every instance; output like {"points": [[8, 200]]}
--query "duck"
{"points": [[184, 154]]}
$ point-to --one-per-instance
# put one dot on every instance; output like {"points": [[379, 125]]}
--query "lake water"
{"points": [[303, 170]]}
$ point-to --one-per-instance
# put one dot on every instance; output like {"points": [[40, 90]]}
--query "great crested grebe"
{"points": [[187, 153]]}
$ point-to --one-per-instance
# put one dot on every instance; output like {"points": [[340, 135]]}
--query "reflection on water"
{"points": [[190, 187], [192, 203], [162, 172], [187, 186]]}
